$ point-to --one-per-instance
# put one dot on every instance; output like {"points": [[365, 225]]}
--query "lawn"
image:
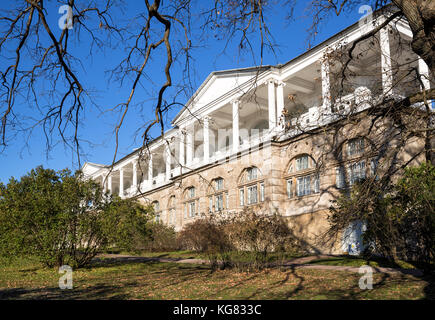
{"points": [[110, 279], [353, 261]]}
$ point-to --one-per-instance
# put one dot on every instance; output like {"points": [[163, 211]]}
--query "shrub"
{"points": [[256, 234], [207, 235], [161, 238], [246, 240], [64, 219]]}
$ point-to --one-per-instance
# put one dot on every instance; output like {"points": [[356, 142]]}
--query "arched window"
{"points": [[356, 153], [218, 195], [302, 178], [355, 147], [251, 187], [191, 204]]}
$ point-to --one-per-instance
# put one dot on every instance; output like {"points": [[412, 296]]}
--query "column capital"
{"points": [[269, 81], [281, 83], [235, 101]]}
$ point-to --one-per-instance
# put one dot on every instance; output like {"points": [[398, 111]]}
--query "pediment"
{"points": [[215, 86]]}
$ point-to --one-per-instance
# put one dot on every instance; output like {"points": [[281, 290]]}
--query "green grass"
{"points": [[113, 279], [239, 256], [165, 254], [352, 261]]}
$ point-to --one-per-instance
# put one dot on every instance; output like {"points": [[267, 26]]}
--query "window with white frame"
{"points": [[302, 163], [219, 202], [251, 173], [191, 192], [340, 179], [356, 172], [217, 195], [253, 188], [191, 208], [355, 147], [252, 194], [304, 180], [191, 205], [242, 197], [262, 191], [219, 184]]}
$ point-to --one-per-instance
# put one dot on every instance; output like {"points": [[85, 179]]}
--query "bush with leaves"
{"points": [[257, 234], [63, 218], [161, 238], [400, 216], [246, 240], [207, 235]]}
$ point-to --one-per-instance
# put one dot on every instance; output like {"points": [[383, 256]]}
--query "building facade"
{"points": [[263, 137]]}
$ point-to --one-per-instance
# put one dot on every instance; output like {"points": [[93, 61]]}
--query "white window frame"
{"points": [[355, 147], [252, 196], [356, 172], [302, 163], [262, 192], [242, 197], [219, 200], [252, 173], [219, 184]]}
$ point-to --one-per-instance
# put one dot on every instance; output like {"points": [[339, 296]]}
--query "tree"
{"points": [[168, 28], [400, 220], [64, 219]]}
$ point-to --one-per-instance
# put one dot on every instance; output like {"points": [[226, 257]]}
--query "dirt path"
{"points": [[297, 263]]}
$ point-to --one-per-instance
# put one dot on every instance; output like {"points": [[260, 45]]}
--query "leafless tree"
{"points": [[34, 56]]}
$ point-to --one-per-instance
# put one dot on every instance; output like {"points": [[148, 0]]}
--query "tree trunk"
{"points": [[421, 18]]}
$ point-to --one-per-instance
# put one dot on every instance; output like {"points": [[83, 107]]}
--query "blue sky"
{"points": [[97, 126]]}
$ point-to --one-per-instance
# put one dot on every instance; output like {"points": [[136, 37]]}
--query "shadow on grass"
{"points": [[97, 291]]}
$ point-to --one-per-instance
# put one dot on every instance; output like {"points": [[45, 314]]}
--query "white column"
{"points": [[279, 103], [167, 161], [189, 144], [109, 184], [423, 70], [235, 125], [121, 182], [271, 104], [387, 73], [326, 85], [206, 135], [182, 135], [135, 174], [150, 169]]}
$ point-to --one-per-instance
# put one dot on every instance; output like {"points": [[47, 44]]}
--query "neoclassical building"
{"points": [[262, 137]]}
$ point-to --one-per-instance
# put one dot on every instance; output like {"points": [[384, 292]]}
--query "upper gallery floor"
{"points": [[236, 110]]}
